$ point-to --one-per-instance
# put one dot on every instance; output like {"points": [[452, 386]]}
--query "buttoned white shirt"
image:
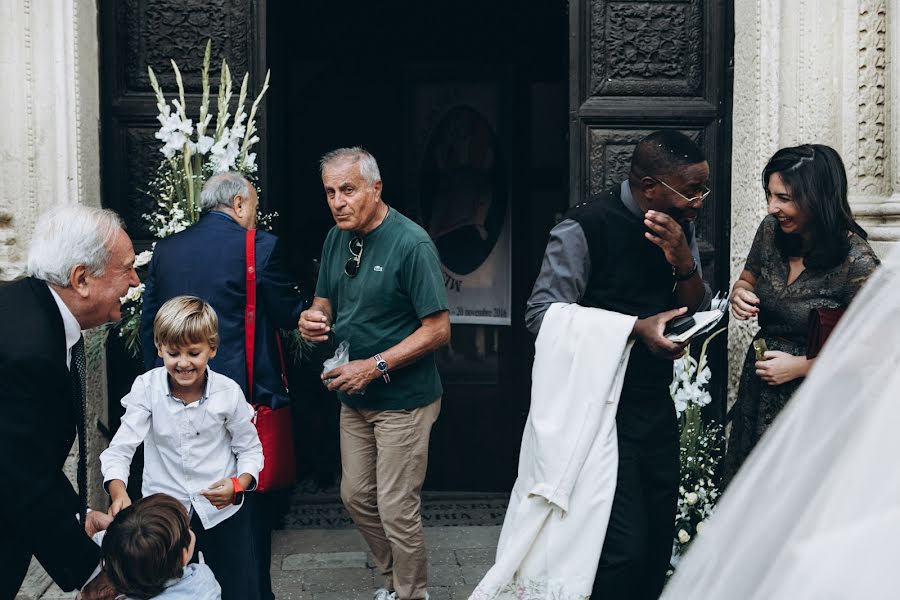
{"points": [[187, 447], [70, 323]]}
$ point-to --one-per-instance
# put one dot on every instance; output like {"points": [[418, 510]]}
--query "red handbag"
{"points": [[821, 323], [274, 426]]}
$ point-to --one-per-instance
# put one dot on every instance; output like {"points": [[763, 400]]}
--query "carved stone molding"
{"points": [[868, 168], [158, 30], [646, 48]]}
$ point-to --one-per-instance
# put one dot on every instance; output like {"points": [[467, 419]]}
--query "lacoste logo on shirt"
{"points": [[378, 268]]}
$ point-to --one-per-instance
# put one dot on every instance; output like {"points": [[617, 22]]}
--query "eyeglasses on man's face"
{"points": [[351, 267], [700, 197]]}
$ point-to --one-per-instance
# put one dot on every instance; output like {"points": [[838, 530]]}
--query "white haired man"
{"points": [[380, 288], [81, 262]]}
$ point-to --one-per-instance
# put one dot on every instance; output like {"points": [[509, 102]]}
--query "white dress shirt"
{"points": [[187, 447], [73, 329]]}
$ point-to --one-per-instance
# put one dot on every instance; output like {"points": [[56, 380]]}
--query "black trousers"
{"points": [[638, 542], [14, 561], [228, 550], [264, 507]]}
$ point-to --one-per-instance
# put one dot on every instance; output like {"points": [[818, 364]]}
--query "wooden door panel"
{"points": [[639, 66]]}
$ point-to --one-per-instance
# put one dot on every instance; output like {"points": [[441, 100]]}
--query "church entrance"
{"points": [[488, 119]]}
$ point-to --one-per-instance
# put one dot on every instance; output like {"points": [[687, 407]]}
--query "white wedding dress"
{"points": [[814, 514]]}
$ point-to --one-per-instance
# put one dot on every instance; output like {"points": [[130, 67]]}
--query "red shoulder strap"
{"points": [[250, 310]]}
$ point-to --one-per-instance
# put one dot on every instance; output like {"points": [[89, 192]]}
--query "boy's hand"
{"points": [[118, 496], [220, 494]]}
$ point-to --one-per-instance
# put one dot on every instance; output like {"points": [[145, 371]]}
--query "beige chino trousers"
{"points": [[384, 456]]}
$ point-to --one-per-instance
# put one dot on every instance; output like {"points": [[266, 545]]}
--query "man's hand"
{"points": [[744, 303], [314, 325], [668, 234], [650, 331], [781, 367], [220, 494], [352, 378], [100, 588], [96, 521]]}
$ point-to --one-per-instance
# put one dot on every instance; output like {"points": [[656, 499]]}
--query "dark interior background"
{"points": [[346, 74]]}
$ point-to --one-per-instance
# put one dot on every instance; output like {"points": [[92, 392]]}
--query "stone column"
{"points": [[811, 71], [49, 66]]}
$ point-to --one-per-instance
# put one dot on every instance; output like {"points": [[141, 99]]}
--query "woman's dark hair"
{"points": [[143, 546], [815, 176]]}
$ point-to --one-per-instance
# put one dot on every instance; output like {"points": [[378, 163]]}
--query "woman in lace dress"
{"points": [[808, 253]]}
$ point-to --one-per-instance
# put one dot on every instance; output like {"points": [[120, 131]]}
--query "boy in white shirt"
{"points": [[200, 445]]}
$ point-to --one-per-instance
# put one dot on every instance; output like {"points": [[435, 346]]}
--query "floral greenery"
{"points": [[192, 153], [701, 447]]}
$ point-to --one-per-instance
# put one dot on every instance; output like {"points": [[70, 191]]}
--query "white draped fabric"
{"points": [[559, 508], [815, 511]]}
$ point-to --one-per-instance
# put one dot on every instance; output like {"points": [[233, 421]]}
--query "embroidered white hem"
{"points": [[559, 508]]}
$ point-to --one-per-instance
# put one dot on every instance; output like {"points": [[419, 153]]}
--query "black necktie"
{"points": [[76, 372]]}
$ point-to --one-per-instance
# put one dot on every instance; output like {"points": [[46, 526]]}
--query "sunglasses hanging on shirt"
{"points": [[351, 268]]}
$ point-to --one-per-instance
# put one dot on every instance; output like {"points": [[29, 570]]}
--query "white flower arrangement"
{"points": [[701, 446], [192, 153]]}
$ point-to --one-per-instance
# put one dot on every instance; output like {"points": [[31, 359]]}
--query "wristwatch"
{"points": [[382, 367], [238, 491], [684, 277]]}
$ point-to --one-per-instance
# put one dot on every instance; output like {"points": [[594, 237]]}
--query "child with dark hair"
{"points": [[146, 552]]}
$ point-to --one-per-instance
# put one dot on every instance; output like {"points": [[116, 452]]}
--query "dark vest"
{"points": [[629, 275]]}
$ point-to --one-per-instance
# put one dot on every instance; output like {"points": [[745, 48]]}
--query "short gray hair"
{"points": [[220, 189], [71, 235], [368, 167]]}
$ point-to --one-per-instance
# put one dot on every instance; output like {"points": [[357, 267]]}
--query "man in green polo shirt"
{"points": [[380, 288]]}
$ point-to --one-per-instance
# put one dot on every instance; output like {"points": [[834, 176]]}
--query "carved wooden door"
{"points": [[639, 66], [133, 35]]}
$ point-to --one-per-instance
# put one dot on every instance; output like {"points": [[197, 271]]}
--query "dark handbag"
{"points": [[821, 323], [275, 427]]}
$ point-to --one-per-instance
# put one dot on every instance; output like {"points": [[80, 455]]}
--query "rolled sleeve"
{"points": [[115, 461], [564, 274]]}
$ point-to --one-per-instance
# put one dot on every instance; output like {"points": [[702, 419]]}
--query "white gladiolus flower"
{"points": [[143, 258], [134, 294], [683, 536], [250, 162], [703, 376], [204, 144]]}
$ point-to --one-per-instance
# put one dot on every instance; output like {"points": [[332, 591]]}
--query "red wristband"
{"points": [[238, 488]]}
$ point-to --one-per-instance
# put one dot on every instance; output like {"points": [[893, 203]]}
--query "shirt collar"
{"points": [[73, 329], [629, 201], [203, 397]]}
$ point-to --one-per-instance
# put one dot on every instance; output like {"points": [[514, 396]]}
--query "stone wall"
{"points": [[50, 152], [812, 71]]}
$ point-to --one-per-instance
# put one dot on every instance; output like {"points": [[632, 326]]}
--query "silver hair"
{"points": [[71, 235], [368, 167], [220, 189]]}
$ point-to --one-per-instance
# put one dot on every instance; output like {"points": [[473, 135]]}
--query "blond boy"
{"points": [[200, 445]]}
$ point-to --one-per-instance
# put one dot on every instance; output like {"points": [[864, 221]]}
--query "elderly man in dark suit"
{"points": [[80, 263], [209, 260]]}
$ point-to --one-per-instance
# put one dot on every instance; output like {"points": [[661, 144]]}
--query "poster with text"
{"points": [[464, 198]]}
